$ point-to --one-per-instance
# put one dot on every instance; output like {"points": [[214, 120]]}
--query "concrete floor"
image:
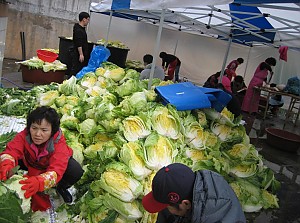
{"points": [[285, 164]]}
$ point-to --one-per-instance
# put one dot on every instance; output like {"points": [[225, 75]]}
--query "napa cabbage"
{"points": [[117, 181], [88, 80], [129, 210], [12, 200], [134, 128], [166, 122], [158, 151], [48, 98], [131, 154]]}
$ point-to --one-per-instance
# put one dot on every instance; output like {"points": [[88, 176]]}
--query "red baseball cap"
{"points": [[170, 185]]}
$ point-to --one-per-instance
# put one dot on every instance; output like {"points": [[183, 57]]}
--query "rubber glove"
{"points": [[32, 185], [5, 166]]}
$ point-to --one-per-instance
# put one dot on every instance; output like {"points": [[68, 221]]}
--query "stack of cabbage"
{"points": [[36, 63], [122, 134]]}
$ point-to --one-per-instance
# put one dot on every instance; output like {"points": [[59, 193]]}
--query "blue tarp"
{"points": [[187, 96]]}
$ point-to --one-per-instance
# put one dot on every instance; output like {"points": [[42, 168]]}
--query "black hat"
{"points": [[170, 185]]}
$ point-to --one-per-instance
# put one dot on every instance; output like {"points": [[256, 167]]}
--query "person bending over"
{"points": [[181, 195]]}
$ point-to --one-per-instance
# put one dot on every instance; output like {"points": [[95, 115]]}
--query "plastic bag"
{"points": [[99, 54], [293, 86]]}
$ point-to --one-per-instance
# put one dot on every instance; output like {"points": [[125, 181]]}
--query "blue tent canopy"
{"points": [[245, 21], [251, 27]]}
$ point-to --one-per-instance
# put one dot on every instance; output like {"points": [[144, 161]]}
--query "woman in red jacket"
{"points": [[41, 149]]}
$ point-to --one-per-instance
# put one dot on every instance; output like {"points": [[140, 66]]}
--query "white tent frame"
{"points": [[178, 19]]}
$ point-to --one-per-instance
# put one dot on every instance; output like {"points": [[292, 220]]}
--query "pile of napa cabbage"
{"points": [[121, 134]]}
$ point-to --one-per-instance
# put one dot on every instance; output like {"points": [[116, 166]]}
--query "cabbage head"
{"points": [[48, 98], [69, 122], [129, 210], [12, 200], [134, 128], [244, 169], [165, 121], [127, 88], [131, 154], [117, 181], [88, 127], [116, 74], [251, 197], [61, 100], [238, 151], [158, 151], [194, 136], [88, 80]]}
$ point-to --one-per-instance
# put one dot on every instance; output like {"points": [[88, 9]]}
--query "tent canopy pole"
{"points": [[225, 58], [108, 28], [248, 57], [156, 49]]}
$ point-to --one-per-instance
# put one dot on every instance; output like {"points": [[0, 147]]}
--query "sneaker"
{"points": [[65, 194]]}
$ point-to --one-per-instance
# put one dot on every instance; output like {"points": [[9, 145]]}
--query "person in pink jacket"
{"points": [[41, 149], [232, 66], [251, 99]]}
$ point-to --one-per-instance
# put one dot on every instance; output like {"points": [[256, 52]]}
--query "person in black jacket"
{"points": [[171, 64], [81, 54]]}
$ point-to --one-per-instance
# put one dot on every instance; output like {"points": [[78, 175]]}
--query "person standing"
{"points": [[172, 64], [158, 71], [232, 66], [81, 53], [181, 195], [252, 96], [41, 149]]}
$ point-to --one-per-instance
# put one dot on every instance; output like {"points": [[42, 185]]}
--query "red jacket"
{"points": [[56, 160]]}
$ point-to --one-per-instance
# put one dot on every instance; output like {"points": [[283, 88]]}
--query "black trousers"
{"points": [[76, 65], [72, 174]]}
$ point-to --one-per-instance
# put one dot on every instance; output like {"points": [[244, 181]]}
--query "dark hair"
{"points": [[162, 54], [148, 58], [271, 61], [240, 60], [217, 74], [220, 86], [83, 15], [44, 112], [239, 79]]}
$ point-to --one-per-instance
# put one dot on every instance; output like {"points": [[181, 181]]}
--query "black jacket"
{"points": [[80, 39]]}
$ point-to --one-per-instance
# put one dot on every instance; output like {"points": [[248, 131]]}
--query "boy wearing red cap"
{"points": [[180, 195]]}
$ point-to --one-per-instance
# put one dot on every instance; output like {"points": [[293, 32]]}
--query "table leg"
{"points": [[267, 106], [298, 113], [288, 112]]}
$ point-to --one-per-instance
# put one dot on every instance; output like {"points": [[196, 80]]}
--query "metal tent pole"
{"points": [[225, 58], [108, 28], [248, 56], [156, 49]]}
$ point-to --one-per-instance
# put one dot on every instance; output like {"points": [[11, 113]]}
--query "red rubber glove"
{"points": [[32, 185], [5, 166]]}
